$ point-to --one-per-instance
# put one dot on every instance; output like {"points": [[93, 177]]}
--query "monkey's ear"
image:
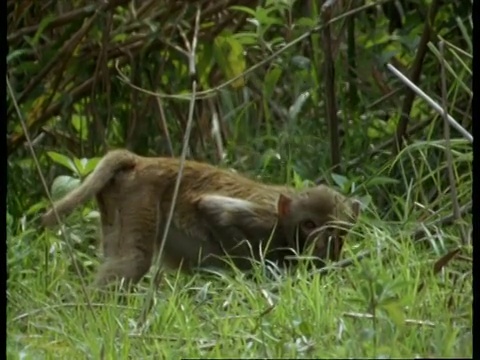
{"points": [[283, 205], [356, 207]]}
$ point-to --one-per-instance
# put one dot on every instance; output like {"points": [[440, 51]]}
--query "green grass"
{"points": [[372, 308], [228, 315]]}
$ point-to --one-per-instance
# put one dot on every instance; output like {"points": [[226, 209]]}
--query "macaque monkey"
{"points": [[217, 213]]}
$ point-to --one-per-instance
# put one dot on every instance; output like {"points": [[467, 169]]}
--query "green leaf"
{"points": [[340, 180], [395, 313], [294, 110], [229, 54], [268, 156], [89, 165], [9, 220], [364, 201], [78, 165], [205, 62], [380, 180], [62, 160], [270, 81], [246, 38], [245, 9], [305, 328], [36, 207], [465, 33], [120, 38], [16, 53], [62, 185], [79, 123], [297, 180], [301, 62], [85, 166], [307, 22], [43, 24], [373, 133], [265, 19]]}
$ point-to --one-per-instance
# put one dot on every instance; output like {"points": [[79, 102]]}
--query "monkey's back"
{"points": [[201, 178]]}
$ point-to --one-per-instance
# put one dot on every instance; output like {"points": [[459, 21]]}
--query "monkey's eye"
{"points": [[309, 225]]}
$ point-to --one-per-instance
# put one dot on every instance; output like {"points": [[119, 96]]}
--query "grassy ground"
{"points": [[373, 308], [406, 300]]}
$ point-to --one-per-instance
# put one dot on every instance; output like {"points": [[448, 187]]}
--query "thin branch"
{"points": [[164, 126], [329, 79], [448, 150], [45, 186], [415, 73], [65, 52], [64, 19], [431, 102], [192, 70], [211, 92]]}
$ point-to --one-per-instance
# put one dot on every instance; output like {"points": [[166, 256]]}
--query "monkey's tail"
{"points": [[113, 162]]}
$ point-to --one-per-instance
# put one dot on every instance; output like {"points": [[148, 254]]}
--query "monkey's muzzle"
{"points": [[325, 243]]}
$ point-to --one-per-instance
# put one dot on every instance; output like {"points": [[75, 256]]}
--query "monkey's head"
{"points": [[317, 218]]}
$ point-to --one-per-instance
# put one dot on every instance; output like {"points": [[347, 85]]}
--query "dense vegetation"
{"points": [[286, 91]]}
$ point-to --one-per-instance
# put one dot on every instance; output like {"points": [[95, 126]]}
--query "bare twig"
{"points": [[351, 61], [414, 76], [192, 70], [102, 63], [431, 102], [65, 51], [47, 192], [448, 151], [211, 92], [117, 50], [75, 94], [63, 19], [385, 97], [370, 316], [216, 130], [164, 126], [330, 101]]}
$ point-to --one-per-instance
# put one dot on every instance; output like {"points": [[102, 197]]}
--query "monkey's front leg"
{"points": [[237, 217], [241, 226]]}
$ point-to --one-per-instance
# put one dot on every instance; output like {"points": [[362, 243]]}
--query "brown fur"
{"points": [[216, 211]]}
